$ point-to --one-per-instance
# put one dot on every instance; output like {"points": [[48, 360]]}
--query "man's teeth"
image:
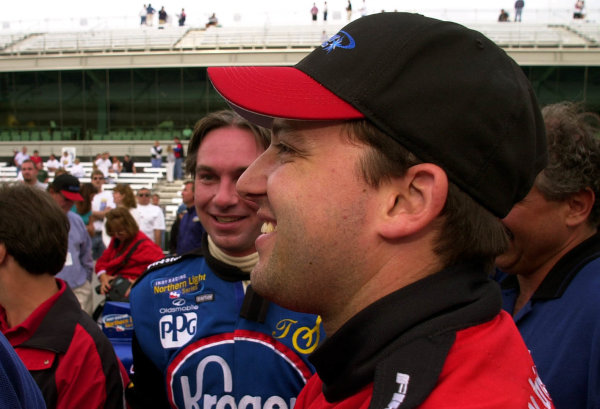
{"points": [[227, 219], [268, 227]]}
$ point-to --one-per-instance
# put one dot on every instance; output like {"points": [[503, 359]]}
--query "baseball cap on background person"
{"points": [[445, 92], [68, 186]]}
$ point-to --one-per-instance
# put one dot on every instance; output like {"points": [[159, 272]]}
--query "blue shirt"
{"points": [[561, 326], [79, 265], [190, 232], [17, 387]]}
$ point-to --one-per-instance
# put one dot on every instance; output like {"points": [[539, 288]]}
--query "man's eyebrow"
{"points": [[204, 168]]}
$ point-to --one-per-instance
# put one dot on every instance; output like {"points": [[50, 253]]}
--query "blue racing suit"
{"points": [[202, 341]]}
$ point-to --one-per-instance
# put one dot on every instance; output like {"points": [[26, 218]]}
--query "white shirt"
{"points": [[103, 165], [65, 162], [151, 218], [77, 170], [52, 164], [20, 157], [101, 201]]}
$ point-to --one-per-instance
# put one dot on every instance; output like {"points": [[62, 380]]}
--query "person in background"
{"points": [[215, 328], [116, 166], [519, 4], [151, 218], [66, 161], [182, 16], [190, 230], [128, 165], [143, 13], [170, 173], [52, 164], [156, 155], [36, 158], [29, 174], [553, 262], [71, 360], [129, 253], [83, 208], [150, 11], [179, 155], [79, 266], [77, 169], [382, 215], [102, 203], [123, 196], [20, 157]]}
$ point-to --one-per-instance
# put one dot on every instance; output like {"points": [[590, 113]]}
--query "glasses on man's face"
{"points": [[144, 194]]}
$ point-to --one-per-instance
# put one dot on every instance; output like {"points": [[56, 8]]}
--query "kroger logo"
{"points": [[340, 40]]}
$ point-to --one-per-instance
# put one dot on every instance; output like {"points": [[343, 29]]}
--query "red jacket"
{"points": [[487, 367], [439, 343], [146, 253], [71, 360]]}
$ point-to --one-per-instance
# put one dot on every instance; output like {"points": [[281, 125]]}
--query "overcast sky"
{"points": [[263, 11]]}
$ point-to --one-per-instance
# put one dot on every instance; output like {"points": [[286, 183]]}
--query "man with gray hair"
{"points": [[554, 260]]}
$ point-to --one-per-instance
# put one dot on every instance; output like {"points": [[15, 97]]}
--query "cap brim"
{"points": [[76, 197], [260, 94]]}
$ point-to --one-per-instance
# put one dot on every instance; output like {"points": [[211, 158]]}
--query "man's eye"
{"points": [[283, 149]]}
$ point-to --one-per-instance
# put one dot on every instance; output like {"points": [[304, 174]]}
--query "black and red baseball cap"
{"points": [[445, 92], [68, 186]]}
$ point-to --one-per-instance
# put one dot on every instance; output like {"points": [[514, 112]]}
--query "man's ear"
{"points": [[580, 205], [412, 202], [3, 253]]}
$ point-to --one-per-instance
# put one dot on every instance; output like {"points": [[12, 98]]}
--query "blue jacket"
{"points": [[561, 326], [79, 265], [202, 341]]}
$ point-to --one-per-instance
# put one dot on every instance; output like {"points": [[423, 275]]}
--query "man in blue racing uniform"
{"points": [[203, 337]]}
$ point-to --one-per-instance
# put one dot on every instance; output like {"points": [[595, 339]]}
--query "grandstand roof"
{"points": [[528, 43]]}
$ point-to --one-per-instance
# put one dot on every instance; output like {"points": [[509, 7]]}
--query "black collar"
{"points": [[563, 272], [390, 329]]}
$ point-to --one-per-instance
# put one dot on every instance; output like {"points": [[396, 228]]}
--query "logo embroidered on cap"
{"points": [[340, 40]]}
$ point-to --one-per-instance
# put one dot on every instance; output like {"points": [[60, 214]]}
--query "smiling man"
{"points": [[203, 337], [397, 145]]}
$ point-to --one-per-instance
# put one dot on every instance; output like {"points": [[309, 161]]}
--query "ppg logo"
{"points": [[177, 330]]}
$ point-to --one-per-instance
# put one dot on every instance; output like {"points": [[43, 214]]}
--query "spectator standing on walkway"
{"points": [[381, 212], [554, 260], [150, 14], [72, 361], [349, 10], [325, 11], [78, 268], [156, 155], [162, 17], [179, 154], [519, 4], [182, 18], [143, 14], [314, 11], [103, 163]]}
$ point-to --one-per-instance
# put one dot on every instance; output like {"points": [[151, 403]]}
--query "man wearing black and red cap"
{"points": [[79, 266], [396, 148]]}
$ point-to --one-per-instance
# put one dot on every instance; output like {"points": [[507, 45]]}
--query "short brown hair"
{"points": [[216, 120], [466, 229], [34, 230]]}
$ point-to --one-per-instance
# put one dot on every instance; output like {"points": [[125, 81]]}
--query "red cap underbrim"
{"points": [[76, 197], [262, 93]]}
